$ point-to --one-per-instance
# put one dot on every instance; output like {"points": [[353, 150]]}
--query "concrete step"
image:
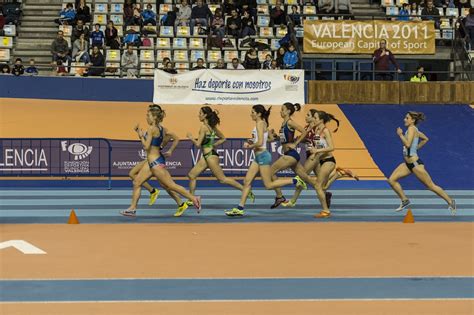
{"points": [[28, 29], [37, 53], [38, 24], [33, 45], [39, 18], [42, 7], [34, 2], [34, 36], [53, 13], [39, 41]]}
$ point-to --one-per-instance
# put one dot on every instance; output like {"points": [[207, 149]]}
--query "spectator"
{"points": [[419, 76], [251, 60], [200, 15], [67, 16], [268, 62], [148, 15], [83, 12], [430, 13], [382, 58], [404, 13], [170, 68], [97, 63], [60, 69], [220, 64], [344, 7], [111, 36], [234, 24], [79, 30], [200, 64], [32, 70], [137, 14], [60, 49], [149, 30], [235, 65], [290, 59], [5, 69], [18, 68], [130, 62], [461, 4], [166, 60], [229, 5], [97, 37], [274, 65], [277, 14], [414, 11], [250, 6], [325, 6], [170, 18], [217, 25], [295, 16], [2, 21], [469, 25], [280, 54], [248, 27], [80, 50], [184, 14], [128, 13]]}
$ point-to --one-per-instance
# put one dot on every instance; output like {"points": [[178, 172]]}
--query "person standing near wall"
{"points": [[382, 58]]}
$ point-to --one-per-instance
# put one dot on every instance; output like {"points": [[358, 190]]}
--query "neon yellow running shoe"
{"points": [[300, 183], [181, 209], [251, 196], [153, 197], [288, 203], [235, 212], [189, 203]]}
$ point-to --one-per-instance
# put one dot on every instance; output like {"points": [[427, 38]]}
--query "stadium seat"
{"points": [[231, 54], [5, 54], [180, 56], [166, 31], [213, 55], [196, 54], [183, 31], [162, 43], [163, 53], [180, 43], [147, 55], [196, 43]]}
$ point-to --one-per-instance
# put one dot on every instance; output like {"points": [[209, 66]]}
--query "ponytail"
{"points": [[417, 116], [326, 117], [296, 107], [212, 116], [264, 113]]}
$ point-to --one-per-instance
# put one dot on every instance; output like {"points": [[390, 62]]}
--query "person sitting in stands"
{"points": [[419, 76], [97, 63], [83, 12], [32, 70], [67, 16], [148, 15], [97, 37], [290, 60]]}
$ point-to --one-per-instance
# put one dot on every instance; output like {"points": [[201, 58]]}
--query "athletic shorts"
{"points": [[263, 158], [294, 154], [329, 159], [411, 166], [161, 162]]}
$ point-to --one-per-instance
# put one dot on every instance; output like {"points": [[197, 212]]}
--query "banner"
{"points": [[233, 158], [54, 157], [241, 87], [363, 37]]}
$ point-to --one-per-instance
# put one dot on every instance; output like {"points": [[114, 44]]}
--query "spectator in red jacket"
{"points": [[382, 58]]}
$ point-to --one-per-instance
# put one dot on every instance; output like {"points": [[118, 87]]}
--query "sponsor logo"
{"points": [[142, 154], [173, 80], [24, 159], [292, 78], [79, 150]]}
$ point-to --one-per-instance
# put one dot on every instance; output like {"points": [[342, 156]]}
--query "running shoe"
{"points": [[300, 183], [129, 213], [452, 207], [403, 205], [189, 203], [278, 201], [197, 203], [235, 212], [347, 172], [251, 196], [323, 215], [179, 212], [288, 203], [153, 197], [328, 198]]}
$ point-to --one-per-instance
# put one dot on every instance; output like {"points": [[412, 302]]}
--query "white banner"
{"points": [[240, 87]]}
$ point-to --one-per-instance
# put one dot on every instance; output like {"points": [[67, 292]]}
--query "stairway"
{"points": [[37, 32], [363, 7]]}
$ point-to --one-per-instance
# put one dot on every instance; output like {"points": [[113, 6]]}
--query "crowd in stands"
{"points": [[228, 25]]}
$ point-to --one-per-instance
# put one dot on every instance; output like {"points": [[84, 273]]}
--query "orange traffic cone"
{"points": [[73, 218], [409, 217]]}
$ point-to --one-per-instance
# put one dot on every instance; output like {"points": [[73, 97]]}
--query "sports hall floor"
{"points": [[361, 261]]}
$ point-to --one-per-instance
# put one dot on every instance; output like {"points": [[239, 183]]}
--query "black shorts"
{"points": [[411, 166], [329, 159], [210, 153]]}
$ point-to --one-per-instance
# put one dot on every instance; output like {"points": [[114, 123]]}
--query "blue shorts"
{"points": [[263, 158], [294, 154], [161, 162]]}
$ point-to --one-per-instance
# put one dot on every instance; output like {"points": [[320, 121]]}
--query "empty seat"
{"points": [[231, 54], [100, 8], [213, 55], [263, 20], [266, 32], [196, 54], [183, 31], [147, 68], [163, 53], [180, 43], [180, 56], [309, 9], [147, 55], [262, 9], [9, 30], [165, 8], [166, 31], [196, 43], [5, 54], [112, 55], [100, 19], [6, 42], [162, 43], [117, 19]]}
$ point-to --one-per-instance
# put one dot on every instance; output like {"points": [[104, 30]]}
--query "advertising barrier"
{"points": [[267, 87]]}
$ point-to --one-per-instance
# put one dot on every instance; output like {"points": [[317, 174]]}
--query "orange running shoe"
{"points": [[324, 214]]}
